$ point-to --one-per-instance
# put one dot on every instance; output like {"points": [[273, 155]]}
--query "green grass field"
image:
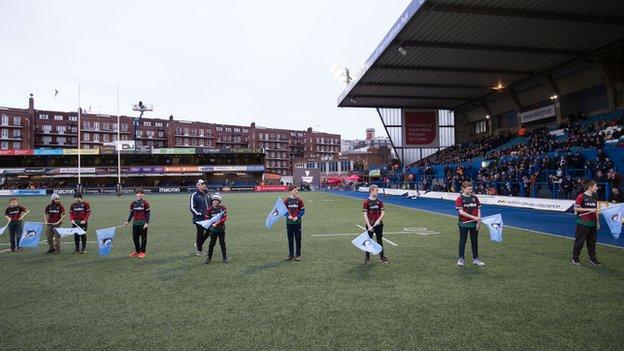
{"points": [[527, 297]]}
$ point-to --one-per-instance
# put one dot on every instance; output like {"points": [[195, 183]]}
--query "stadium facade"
{"points": [[24, 130]]}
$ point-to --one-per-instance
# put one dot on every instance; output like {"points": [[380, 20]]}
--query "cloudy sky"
{"points": [[218, 61]]}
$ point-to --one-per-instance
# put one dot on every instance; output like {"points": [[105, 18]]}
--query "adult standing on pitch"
{"points": [[374, 212], [586, 209], [79, 213], [140, 215], [469, 209], [198, 205], [296, 210], [53, 217]]}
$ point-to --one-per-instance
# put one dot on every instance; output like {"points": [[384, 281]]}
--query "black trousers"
{"points": [[213, 240], [139, 236], [584, 234], [463, 237], [293, 232], [201, 236], [378, 231], [15, 233], [80, 238]]}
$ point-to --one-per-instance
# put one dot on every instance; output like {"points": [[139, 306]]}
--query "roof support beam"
{"points": [[455, 70], [490, 48], [363, 96], [529, 14], [553, 84], [431, 86]]}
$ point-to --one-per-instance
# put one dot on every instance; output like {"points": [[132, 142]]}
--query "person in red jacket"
{"points": [[14, 214], [587, 223], [218, 229], [53, 218], [374, 212], [79, 213], [140, 215]]}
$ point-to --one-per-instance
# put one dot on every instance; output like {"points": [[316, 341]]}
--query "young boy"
{"points": [[469, 209], [586, 209], [140, 215], [53, 218], [218, 229], [374, 212], [14, 214], [79, 213], [296, 210]]}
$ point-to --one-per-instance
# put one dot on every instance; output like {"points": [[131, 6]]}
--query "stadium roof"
{"points": [[456, 53]]}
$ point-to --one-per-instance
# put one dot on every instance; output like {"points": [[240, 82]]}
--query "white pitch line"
{"points": [[62, 242], [420, 233], [310, 201], [384, 239], [508, 226]]}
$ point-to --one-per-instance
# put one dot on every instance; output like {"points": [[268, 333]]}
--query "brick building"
{"points": [[31, 128]]}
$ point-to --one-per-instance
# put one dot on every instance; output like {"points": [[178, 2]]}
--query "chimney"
{"points": [[31, 102], [310, 130], [253, 124], [171, 117], [370, 134]]}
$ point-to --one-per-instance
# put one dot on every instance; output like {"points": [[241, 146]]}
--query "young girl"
{"points": [[469, 209], [140, 215], [218, 229]]}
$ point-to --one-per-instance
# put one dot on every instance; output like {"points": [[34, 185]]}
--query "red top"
{"points": [[54, 212], [15, 212], [80, 211], [373, 209], [589, 202], [469, 204], [212, 211]]}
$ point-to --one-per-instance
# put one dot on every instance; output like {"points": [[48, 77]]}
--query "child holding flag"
{"points": [[53, 217], [140, 215], [14, 214], [296, 210], [79, 213], [469, 209], [374, 212], [586, 209], [217, 230]]}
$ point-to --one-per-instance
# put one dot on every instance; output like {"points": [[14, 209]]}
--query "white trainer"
{"points": [[478, 262], [461, 262], [199, 253]]}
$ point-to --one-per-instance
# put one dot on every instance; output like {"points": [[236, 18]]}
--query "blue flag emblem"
{"points": [[105, 239], [495, 225], [31, 233], [613, 215], [365, 243], [278, 211]]}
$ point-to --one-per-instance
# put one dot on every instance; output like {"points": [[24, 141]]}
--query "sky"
{"points": [[232, 62]]}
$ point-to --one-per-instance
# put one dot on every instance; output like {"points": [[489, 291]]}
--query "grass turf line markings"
{"points": [[508, 226], [384, 239]]}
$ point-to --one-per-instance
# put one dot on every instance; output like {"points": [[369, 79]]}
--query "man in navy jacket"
{"points": [[198, 204]]}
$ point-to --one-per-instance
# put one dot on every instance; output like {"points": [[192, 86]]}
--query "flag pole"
{"points": [[118, 146], [79, 138]]}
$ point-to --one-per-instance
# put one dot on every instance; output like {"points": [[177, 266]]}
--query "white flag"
{"points": [[495, 225], [63, 232]]}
